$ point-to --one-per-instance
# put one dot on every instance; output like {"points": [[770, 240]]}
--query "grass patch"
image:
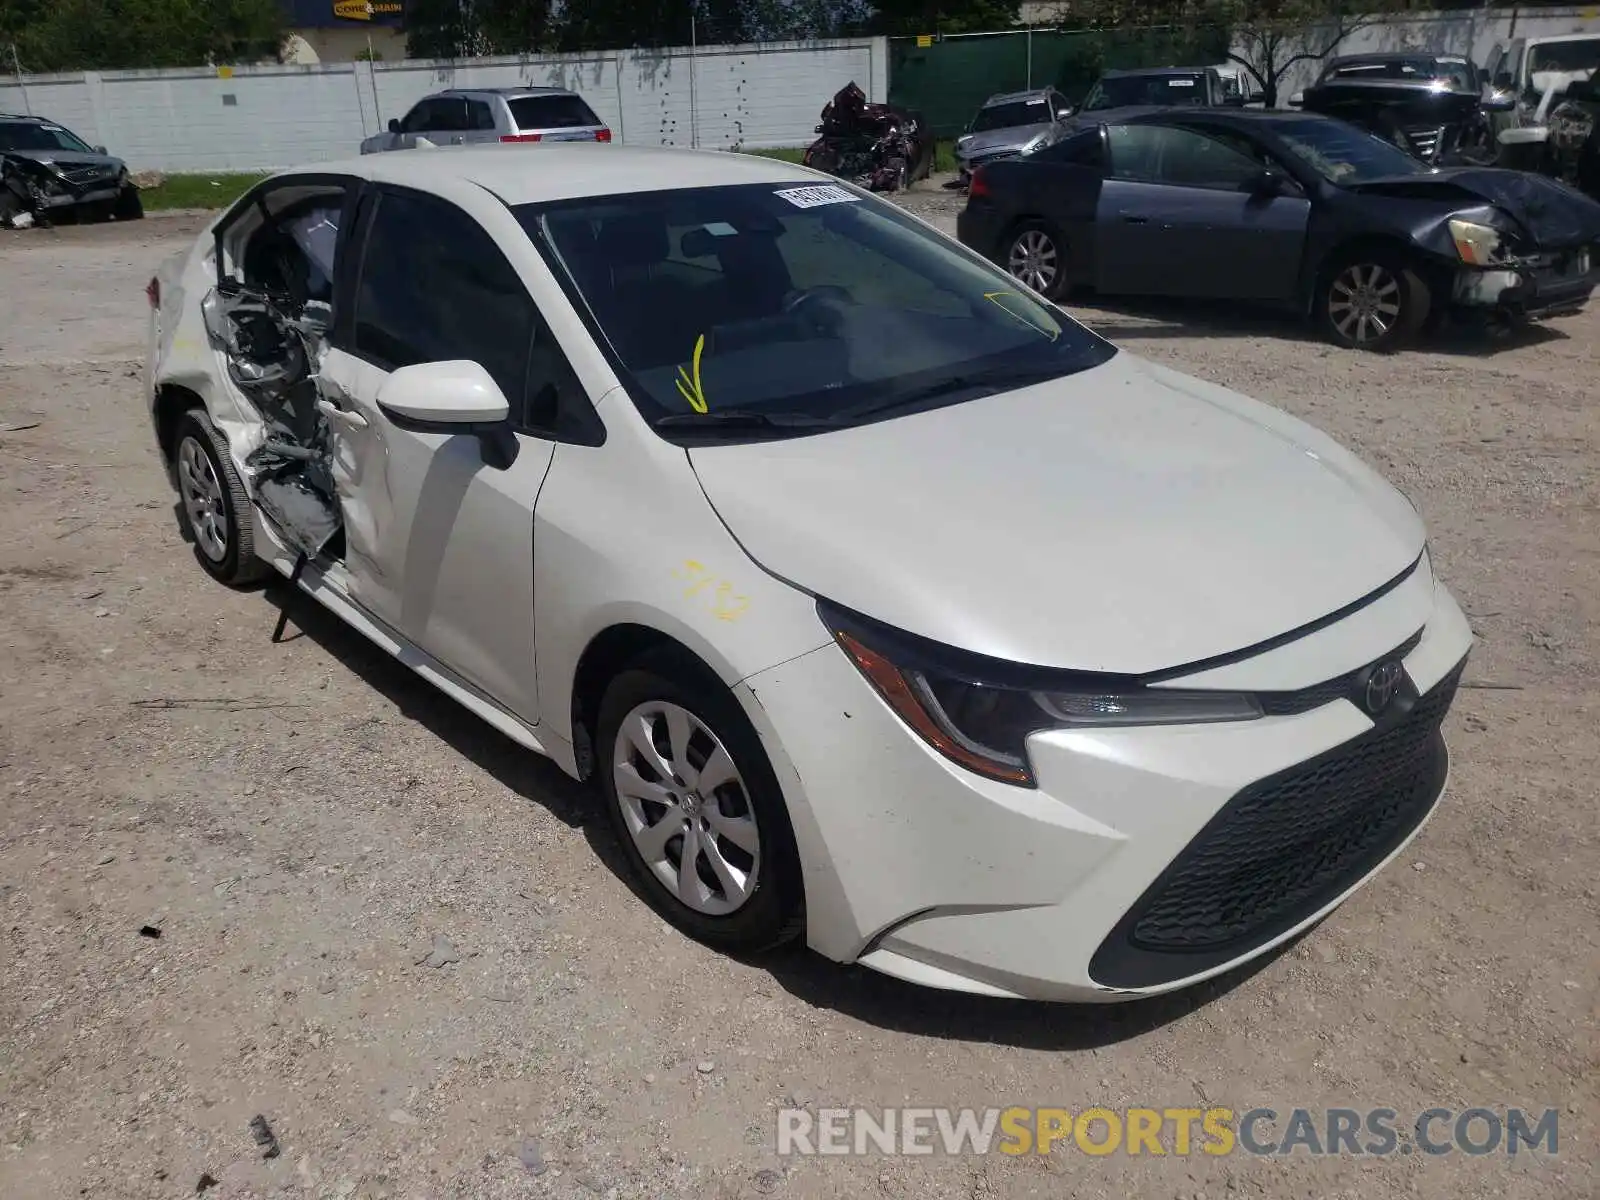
{"points": [[198, 191], [944, 154]]}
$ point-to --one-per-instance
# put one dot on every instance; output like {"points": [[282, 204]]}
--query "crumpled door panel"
{"points": [[274, 357]]}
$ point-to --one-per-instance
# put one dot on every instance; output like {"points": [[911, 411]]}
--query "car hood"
{"points": [[1125, 519], [68, 160], [990, 140], [1552, 213]]}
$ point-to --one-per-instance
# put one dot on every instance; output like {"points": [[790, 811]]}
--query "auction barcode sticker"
{"points": [[811, 197]]}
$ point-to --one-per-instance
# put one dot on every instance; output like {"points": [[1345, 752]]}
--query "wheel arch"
{"points": [[172, 400], [1349, 248]]}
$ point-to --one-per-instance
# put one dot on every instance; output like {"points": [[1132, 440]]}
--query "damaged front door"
{"points": [[439, 533]]}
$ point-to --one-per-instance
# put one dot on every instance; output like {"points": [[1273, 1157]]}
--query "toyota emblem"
{"points": [[1382, 684]]}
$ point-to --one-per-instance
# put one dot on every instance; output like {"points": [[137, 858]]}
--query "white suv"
{"points": [[886, 604]]}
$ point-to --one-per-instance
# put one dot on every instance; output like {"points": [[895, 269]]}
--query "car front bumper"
{"points": [[1562, 284], [1146, 859]]}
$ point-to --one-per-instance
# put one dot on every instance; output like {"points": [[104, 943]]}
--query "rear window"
{"points": [[551, 112], [1135, 91]]}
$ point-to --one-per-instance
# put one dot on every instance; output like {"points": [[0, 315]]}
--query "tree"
{"points": [[109, 35], [910, 17], [1272, 36]]}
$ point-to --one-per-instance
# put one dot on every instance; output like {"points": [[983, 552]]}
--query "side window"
{"points": [[434, 286], [418, 118], [479, 116], [1179, 157], [1081, 149]]}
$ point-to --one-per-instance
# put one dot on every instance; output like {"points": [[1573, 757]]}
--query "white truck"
{"points": [[1533, 73]]}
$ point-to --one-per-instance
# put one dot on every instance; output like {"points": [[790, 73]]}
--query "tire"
{"points": [[899, 173], [1035, 254], [665, 700], [212, 502], [129, 206], [1371, 301]]}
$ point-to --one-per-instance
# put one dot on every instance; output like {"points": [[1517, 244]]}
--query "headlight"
{"points": [[1036, 143], [979, 712], [1477, 244]]}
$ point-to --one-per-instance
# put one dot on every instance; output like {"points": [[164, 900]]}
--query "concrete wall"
{"points": [[1470, 32], [255, 118]]}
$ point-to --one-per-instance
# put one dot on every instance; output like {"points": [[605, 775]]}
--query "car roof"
{"points": [[23, 117], [1013, 97], [1592, 35], [566, 170], [1392, 56], [508, 92], [1224, 116]]}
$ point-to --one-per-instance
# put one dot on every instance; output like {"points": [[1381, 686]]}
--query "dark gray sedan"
{"points": [[66, 173], [1289, 208]]}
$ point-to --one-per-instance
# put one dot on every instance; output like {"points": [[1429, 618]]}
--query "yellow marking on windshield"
{"points": [[689, 385], [994, 299]]}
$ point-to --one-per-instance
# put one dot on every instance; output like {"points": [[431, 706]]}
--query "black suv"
{"points": [[48, 167]]}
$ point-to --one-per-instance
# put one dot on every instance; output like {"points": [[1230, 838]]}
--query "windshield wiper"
{"points": [[994, 380], [745, 418]]}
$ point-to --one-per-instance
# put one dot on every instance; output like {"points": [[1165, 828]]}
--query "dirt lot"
{"points": [[302, 821]]}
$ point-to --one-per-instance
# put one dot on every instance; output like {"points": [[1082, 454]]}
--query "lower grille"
{"points": [[1282, 848]]}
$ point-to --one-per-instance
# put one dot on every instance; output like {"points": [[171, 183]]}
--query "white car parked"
{"points": [[886, 604]]}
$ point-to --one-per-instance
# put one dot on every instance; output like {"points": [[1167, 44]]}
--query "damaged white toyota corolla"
{"points": [[886, 604]]}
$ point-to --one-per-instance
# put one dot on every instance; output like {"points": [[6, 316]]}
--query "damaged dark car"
{"points": [[1432, 106], [47, 171], [881, 147], [1291, 209]]}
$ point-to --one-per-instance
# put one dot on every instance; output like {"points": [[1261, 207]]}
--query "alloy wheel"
{"points": [[202, 499], [1364, 303], [1034, 260], [686, 807]]}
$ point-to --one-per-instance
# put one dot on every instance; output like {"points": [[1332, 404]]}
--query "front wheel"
{"points": [[1372, 302], [129, 205], [1036, 255], [697, 808]]}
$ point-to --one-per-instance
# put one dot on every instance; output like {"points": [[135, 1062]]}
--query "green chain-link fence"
{"points": [[948, 79]]}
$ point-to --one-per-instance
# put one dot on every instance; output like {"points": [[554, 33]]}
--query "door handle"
{"points": [[1130, 219], [343, 416]]}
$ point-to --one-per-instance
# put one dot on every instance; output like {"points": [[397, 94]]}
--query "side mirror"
{"points": [[99, 149], [1296, 100], [1502, 80], [457, 396], [1498, 101], [1270, 182], [394, 125], [816, 129]]}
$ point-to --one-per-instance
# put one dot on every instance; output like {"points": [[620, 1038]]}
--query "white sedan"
{"points": [[887, 606]]}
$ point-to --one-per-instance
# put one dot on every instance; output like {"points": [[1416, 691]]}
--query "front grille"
{"points": [[82, 175], [1425, 140], [1282, 848], [1289, 704], [978, 160]]}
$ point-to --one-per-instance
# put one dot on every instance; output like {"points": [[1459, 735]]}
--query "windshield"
{"points": [[794, 303], [1561, 63], [1015, 112], [1344, 154], [1128, 91], [21, 136]]}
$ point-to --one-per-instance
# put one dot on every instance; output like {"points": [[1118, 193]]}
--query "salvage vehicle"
{"points": [[1431, 105], [881, 147], [1532, 75], [1145, 87], [1009, 124], [1574, 145], [1287, 208], [656, 460], [53, 172], [469, 116]]}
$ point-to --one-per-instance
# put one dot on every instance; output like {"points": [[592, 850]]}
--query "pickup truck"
{"points": [[1532, 75]]}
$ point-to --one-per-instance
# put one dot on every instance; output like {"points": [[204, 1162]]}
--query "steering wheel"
{"points": [[818, 306]]}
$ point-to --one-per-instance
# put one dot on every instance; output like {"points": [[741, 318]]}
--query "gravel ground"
{"points": [[305, 824]]}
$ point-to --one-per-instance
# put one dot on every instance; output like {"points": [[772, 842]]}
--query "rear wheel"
{"points": [[1037, 256], [697, 808], [898, 171], [213, 502], [1372, 301]]}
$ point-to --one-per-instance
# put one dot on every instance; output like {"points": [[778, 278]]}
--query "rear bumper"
{"points": [[980, 229]]}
